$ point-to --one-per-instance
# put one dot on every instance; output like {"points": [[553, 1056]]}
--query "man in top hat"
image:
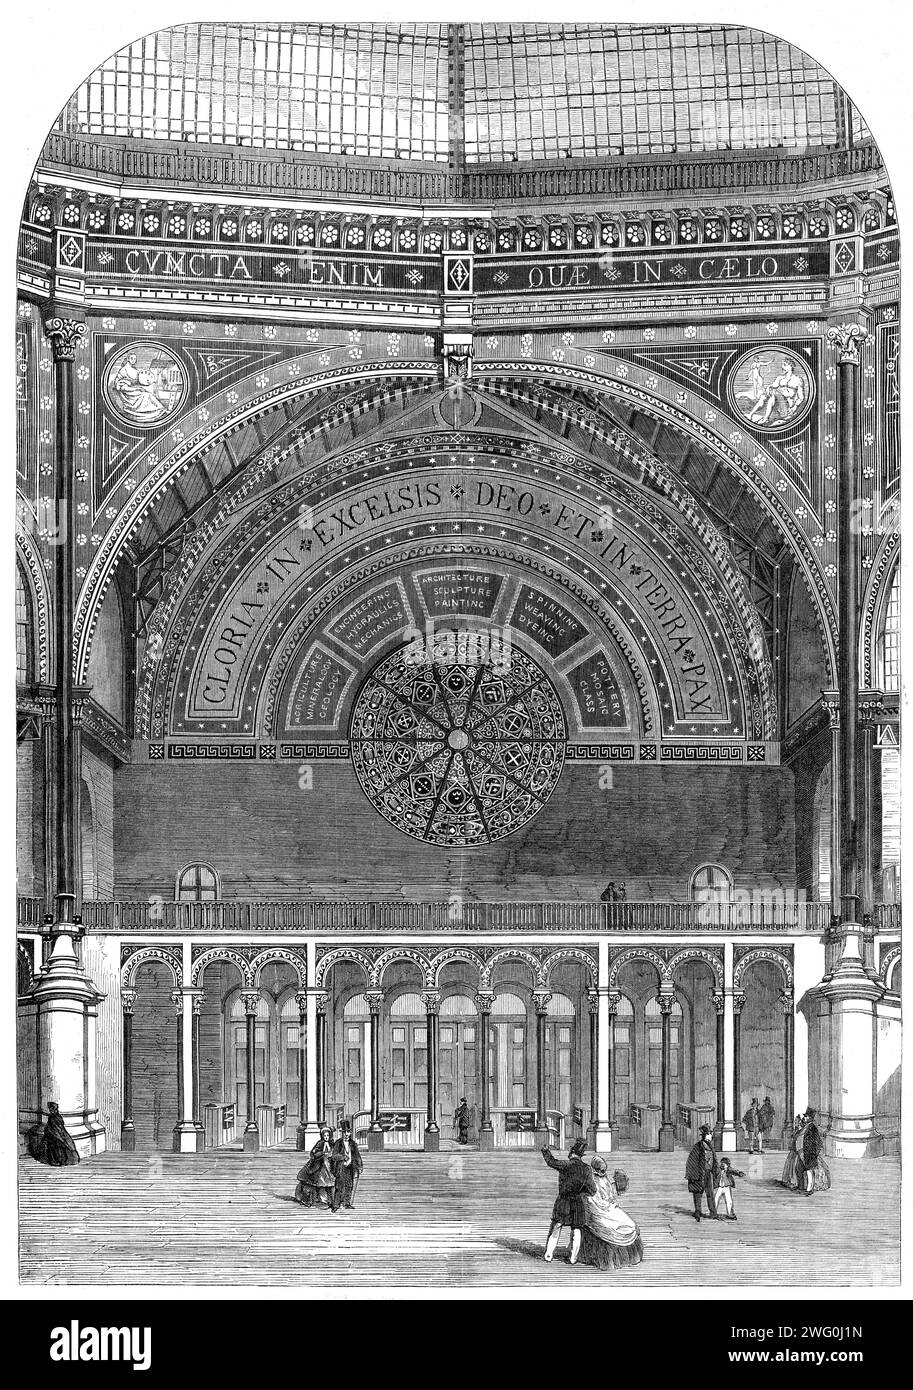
{"points": [[751, 1124], [702, 1172], [461, 1120], [575, 1183], [765, 1122], [346, 1164]]}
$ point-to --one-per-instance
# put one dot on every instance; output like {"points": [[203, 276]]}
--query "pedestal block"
{"points": [[486, 1140], [188, 1139], [432, 1143], [251, 1140], [67, 1012], [375, 1141]]}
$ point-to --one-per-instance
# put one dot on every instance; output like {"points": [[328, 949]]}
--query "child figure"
{"points": [[725, 1188]]}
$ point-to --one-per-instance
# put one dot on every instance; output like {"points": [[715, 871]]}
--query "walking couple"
{"points": [[602, 1235], [330, 1177], [806, 1170]]}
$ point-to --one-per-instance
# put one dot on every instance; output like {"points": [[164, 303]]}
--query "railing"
{"points": [[320, 915], [121, 159]]}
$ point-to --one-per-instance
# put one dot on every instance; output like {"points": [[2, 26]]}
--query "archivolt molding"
{"points": [[178, 459], [401, 953], [224, 953], [697, 953], [881, 576], [454, 953], [513, 953], [566, 953], [638, 953], [347, 953], [296, 959], [889, 962], [41, 611], [135, 957], [763, 953], [738, 451]]}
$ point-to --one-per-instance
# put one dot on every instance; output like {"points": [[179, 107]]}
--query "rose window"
{"points": [[458, 753]]}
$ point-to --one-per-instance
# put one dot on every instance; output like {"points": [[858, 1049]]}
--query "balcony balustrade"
{"points": [[327, 915]]}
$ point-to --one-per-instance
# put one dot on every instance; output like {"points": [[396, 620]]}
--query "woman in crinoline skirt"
{"points": [[611, 1239], [790, 1176]]}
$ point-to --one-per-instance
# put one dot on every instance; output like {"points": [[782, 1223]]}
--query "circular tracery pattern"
{"points": [[458, 754]]}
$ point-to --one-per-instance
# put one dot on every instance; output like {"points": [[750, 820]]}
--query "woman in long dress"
{"points": [[316, 1181], [611, 1239], [790, 1176], [51, 1143]]}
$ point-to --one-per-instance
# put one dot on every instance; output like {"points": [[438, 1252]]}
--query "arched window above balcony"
{"points": [[711, 883], [198, 883]]}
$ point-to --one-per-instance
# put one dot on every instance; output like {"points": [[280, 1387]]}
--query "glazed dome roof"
{"points": [[466, 94]]}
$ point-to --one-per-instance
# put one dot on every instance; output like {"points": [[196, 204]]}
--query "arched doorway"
{"points": [[561, 1054], [458, 1061], [236, 1053]]}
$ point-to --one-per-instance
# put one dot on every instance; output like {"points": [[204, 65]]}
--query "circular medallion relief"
{"points": [[144, 384], [771, 389], [458, 754]]}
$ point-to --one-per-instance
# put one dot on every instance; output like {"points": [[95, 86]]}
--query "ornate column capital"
{"points": [[738, 999], [719, 1000], [431, 998], [592, 1001], [786, 1001], [322, 999], [614, 1001], [374, 998], [830, 703], [128, 1000], [665, 1001], [64, 334], [541, 999], [251, 1000], [484, 1000], [177, 999], [846, 339], [196, 996], [301, 1000]]}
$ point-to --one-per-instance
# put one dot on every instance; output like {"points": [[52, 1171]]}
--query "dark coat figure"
{"points": [[461, 1119], [812, 1172], [316, 1181], [50, 1143], [702, 1172], [766, 1116], [347, 1166], [575, 1183]]}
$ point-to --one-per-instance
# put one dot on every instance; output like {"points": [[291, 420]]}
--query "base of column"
{"points": [[599, 1138], [187, 1138], [728, 1139], [432, 1143], [89, 1138], [251, 1140], [666, 1139], [849, 1140], [307, 1134], [486, 1139], [375, 1140], [542, 1136]]}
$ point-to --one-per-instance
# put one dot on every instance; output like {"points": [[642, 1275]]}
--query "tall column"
{"points": [[312, 1121], [197, 1107], [375, 999], [188, 1135], [251, 1138], [432, 1002], [301, 1134], [729, 1133], [484, 1000], [127, 1129], [321, 1002], [738, 999], [593, 1010], [666, 1000], [66, 1000], [851, 989], [719, 1000], [787, 1005], [541, 999]]}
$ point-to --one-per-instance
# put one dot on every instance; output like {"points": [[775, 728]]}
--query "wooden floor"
{"points": [[446, 1220]]}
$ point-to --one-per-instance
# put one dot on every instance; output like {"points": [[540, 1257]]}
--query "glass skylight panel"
{"points": [[532, 91]]}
